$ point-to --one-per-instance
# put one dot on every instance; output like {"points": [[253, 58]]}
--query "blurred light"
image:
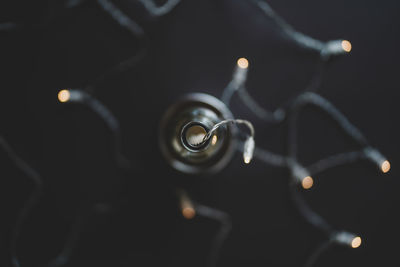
{"points": [[243, 63], [64, 95], [248, 150], [188, 212], [307, 182], [385, 167], [356, 242], [214, 140], [346, 45]]}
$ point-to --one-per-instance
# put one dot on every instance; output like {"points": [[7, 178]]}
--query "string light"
{"points": [[347, 239], [81, 97], [190, 209], [307, 182], [187, 207], [385, 167], [243, 63], [346, 45], [121, 18], [301, 174], [64, 95], [248, 150], [356, 242], [249, 145], [29, 203], [376, 157], [239, 78]]}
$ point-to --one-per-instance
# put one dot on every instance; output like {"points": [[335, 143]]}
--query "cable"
{"points": [[120, 67], [249, 144], [317, 253], [8, 26], [158, 11], [326, 49], [72, 238], [121, 18], [225, 228], [190, 209], [79, 96], [29, 203]]}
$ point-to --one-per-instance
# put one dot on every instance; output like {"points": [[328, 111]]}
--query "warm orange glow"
{"points": [[64, 95], [214, 140], [188, 213], [356, 242], [385, 167], [346, 45], [243, 63], [307, 182]]}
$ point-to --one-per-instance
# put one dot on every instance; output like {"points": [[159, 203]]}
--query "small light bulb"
{"points": [[248, 150], [385, 167], [243, 63], [346, 46], [64, 95], [188, 213], [356, 242], [307, 182]]}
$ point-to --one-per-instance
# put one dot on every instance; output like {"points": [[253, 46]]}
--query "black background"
{"points": [[132, 219]]}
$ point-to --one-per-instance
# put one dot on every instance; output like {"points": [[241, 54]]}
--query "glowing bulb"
{"points": [[356, 242], [248, 150], [346, 46], [214, 140], [385, 167], [188, 213], [243, 63], [64, 95], [307, 182]]}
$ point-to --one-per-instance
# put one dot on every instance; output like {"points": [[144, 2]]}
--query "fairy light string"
{"points": [[190, 209], [30, 202], [289, 113]]}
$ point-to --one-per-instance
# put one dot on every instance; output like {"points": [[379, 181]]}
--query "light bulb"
{"points": [[64, 95], [243, 63], [346, 46], [385, 166], [188, 212], [347, 239], [376, 157], [356, 242], [248, 150], [307, 182]]}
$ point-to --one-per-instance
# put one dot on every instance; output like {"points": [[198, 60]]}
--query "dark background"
{"points": [[132, 219]]}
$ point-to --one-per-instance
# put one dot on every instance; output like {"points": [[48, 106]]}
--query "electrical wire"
{"points": [[158, 11], [29, 204], [81, 97], [121, 18], [222, 234], [316, 254]]}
